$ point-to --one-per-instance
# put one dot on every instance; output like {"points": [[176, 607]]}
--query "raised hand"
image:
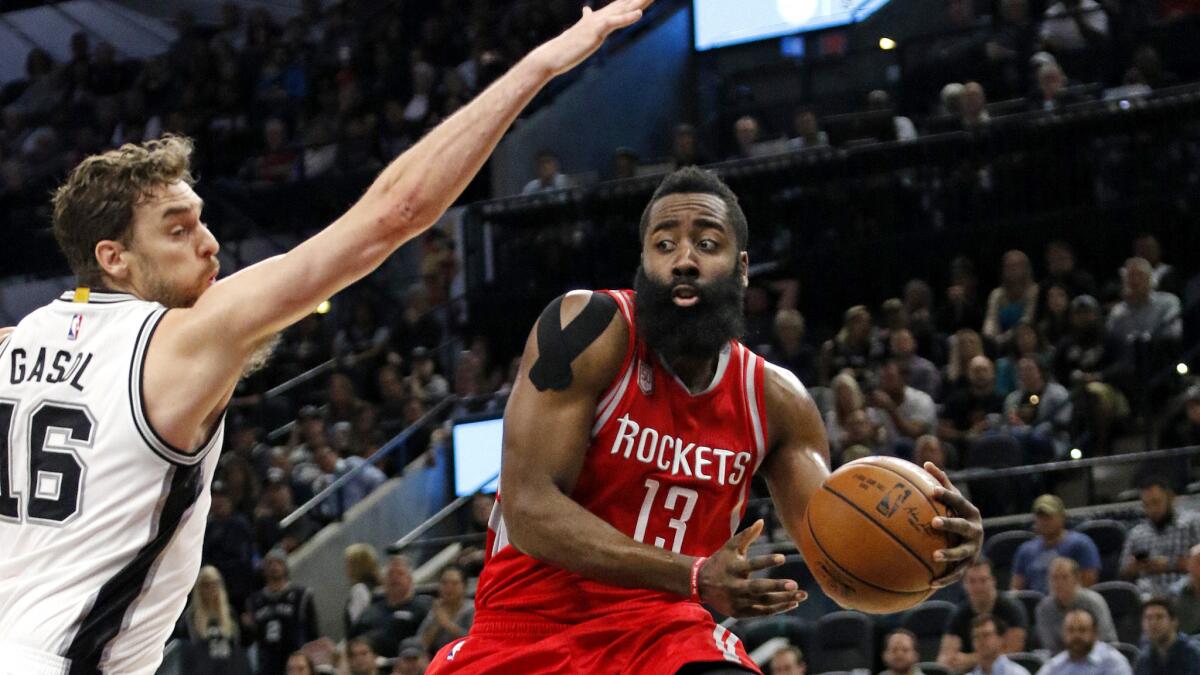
{"points": [[725, 581], [582, 39], [966, 523]]}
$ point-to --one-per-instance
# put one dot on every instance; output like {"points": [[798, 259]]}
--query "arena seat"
{"points": [[1028, 660], [843, 640], [1129, 651], [928, 621], [1029, 599], [1109, 536], [1125, 604], [1000, 549], [997, 497]]}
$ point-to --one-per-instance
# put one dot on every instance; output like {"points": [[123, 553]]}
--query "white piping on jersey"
{"points": [[496, 525], [617, 395], [99, 297], [625, 313], [137, 402], [722, 364], [750, 365]]}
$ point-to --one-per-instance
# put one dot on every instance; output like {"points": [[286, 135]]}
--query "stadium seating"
{"points": [[1030, 661], [1125, 604], [1000, 549], [928, 622], [1109, 536], [1129, 650], [1029, 599], [843, 640]]}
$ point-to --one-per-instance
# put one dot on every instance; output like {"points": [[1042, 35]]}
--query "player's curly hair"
{"points": [[691, 179], [96, 202]]}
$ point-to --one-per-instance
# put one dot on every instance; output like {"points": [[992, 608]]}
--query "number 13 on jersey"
{"points": [[672, 504]]}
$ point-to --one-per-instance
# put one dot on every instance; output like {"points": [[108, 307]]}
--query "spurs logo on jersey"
{"points": [[666, 467], [101, 520]]}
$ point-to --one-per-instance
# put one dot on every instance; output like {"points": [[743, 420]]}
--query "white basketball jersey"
{"points": [[101, 520]]}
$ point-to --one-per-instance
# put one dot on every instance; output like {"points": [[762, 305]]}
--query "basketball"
{"points": [[868, 538]]}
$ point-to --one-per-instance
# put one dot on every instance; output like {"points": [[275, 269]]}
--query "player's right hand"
{"points": [[726, 586], [582, 39]]}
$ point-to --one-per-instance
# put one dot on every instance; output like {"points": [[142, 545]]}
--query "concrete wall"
{"points": [[389, 513], [633, 100]]}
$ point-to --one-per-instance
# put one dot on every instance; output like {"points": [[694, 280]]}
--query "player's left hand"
{"points": [[582, 39], [967, 524]]}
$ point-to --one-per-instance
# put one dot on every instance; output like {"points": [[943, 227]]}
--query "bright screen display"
{"points": [[476, 455], [721, 23]]}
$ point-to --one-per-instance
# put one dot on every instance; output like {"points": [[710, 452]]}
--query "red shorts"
{"points": [[654, 640]]}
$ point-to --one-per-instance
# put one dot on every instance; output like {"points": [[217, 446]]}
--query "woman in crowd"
{"points": [[965, 345], [1013, 300], [212, 629], [451, 615], [841, 423], [362, 567], [300, 664], [1026, 342], [853, 348]]}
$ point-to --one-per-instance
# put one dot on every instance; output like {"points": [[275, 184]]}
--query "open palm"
{"points": [[582, 39]]}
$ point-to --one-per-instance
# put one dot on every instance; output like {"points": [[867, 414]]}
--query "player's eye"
{"points": [[707, 245], [665, 245]]}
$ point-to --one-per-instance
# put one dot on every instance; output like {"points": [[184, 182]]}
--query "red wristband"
{"points": [[696, 565]]}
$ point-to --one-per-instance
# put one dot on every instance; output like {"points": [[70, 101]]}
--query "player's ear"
{"points": [[110, 255], [744, 266]]}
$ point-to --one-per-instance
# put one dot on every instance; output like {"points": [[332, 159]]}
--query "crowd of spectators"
{"points": [[1030, 371], [339, 87]]}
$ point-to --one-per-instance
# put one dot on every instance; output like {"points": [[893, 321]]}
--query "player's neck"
{"points": [[696, 373]]}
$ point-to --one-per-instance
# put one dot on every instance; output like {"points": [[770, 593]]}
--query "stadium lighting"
{"points": [[323, 308], [1076, 453], [1182, 369], [887, 44]]}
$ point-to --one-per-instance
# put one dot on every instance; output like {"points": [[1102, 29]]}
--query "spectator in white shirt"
{"points": [[549, 175], [987, 633], [1085, 655], [1074, 25]]}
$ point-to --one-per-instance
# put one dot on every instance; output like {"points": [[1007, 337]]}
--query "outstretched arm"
{"points": [[547, 428], [208, 344]]}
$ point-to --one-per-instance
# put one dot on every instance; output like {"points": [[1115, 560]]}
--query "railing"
{"points": [[432, 521], [383, 452]]}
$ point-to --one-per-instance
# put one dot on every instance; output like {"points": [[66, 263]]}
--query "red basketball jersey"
{"points": [[666, 467]]}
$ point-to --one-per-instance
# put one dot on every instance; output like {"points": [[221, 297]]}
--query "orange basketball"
{"points": [[868, 538]]}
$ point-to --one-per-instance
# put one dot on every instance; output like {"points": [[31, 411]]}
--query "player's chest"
{"points": [[707, 442]]}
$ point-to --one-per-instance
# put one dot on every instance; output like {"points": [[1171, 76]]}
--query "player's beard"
{"points": [[162, 290], [699, 331]]}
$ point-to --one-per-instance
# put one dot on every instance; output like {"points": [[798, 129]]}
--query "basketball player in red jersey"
{"points": [[630, 439]]}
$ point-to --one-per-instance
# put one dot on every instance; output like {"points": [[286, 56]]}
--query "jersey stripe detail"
{"points": [[619, 393], [137, 402], [627, 313], [751, 368], [99, 298], [108, 612]]}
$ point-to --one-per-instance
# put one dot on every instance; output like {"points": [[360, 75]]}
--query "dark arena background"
{"points": [[1004, 196]]}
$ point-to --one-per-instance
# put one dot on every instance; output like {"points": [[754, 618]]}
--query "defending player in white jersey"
{"points": [[112, 397]]}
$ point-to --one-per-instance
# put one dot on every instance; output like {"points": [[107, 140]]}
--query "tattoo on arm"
{"points": [[559, 346]]}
